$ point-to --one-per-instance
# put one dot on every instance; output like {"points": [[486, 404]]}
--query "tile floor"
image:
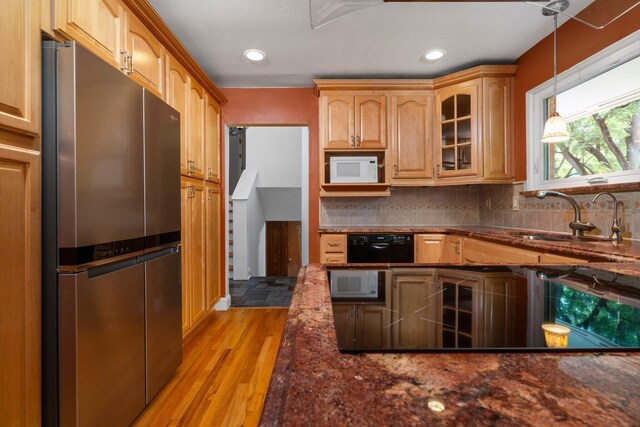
{"points": [[262, 292]]}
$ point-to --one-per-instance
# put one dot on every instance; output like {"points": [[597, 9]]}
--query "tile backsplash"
{"points": [[490, 205], [406, 206]]}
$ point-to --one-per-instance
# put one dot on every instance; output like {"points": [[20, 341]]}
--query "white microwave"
{"points": [[353, 169], [360, 284]]}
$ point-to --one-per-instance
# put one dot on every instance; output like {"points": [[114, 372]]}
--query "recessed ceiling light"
{"points": [[434, 55], [255, 55]]}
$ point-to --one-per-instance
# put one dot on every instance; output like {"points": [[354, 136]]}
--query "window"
{"points": [[600, 101]]}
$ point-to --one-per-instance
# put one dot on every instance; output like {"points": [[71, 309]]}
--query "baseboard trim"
{"points": [[223, 303]]}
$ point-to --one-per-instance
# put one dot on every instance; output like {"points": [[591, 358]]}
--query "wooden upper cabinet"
{"points": [[457, 130], [20, 66], [196, 129], [177, 95], [497, 128], [145, 56], [338, 121], [370, 121], [354, 121], [96, 24], [212, 140], [411, 124]]}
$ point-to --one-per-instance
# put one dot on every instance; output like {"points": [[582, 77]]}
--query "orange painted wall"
{"points": [[576, 42], [290, 106]]}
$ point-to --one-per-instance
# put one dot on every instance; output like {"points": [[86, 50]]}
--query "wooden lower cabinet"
{"points": [[362, 326], [483, 310], [212, 244], [452, 249], [193, 290], [20, 307], [481, 252], [415, 303], [333, 248], [429, 248]]}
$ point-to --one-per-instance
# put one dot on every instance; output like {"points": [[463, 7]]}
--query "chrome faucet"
{"points": [[615, 226], [577, 225]]}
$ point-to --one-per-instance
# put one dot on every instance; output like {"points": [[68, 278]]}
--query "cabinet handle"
{"points": [[124, 59], [395, 170], [210, 172], [437, 169], [353, 144], [358, 141], [334, 244], [131, 70]]}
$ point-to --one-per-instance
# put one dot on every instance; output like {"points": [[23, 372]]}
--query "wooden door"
{"points": [[370, 121], [212, 140], [415, 304], [196, 129], [197, 254], [457, 137], [372, 327], [283, 248], [20, 66], [177, 95], [96, 24], [429, 248], [412, 139], [147, 56], [338, 121], [212, 245], [20, 284], [185, 207], [497, 128]]}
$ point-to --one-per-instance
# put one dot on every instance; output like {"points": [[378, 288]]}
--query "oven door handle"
{"points": [[380, 245]]}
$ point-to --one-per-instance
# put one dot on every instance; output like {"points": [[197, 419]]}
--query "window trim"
{"points": [[608, 58]]}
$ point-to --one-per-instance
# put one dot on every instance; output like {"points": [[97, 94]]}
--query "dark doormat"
{"points": [[262, 292]]}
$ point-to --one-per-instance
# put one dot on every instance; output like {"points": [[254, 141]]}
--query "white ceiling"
{"points": [[384, 41]]}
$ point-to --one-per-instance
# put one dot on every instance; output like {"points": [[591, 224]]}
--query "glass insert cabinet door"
{"points": [[457, 119]]}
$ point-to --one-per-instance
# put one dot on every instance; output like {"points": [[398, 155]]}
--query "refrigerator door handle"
{"points": [[159, 254], [101, 270]]}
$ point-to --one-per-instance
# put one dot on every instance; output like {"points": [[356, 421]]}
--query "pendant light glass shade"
{"points": [[555, 130]]}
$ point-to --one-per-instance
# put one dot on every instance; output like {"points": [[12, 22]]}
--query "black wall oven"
{"points": [[379, 248]]}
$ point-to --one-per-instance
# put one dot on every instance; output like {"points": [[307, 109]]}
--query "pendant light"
{"points": [[555, 129]]}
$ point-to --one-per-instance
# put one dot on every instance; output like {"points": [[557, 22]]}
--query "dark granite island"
{"points": [[314, 384]]}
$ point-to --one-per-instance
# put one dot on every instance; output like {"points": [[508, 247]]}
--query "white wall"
{"points": [[281, 204], [276, 154]]}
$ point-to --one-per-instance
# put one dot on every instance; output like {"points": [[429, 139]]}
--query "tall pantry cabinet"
{"points": [[20, 177]]}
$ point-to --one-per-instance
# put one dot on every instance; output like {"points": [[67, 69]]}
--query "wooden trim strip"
{"points": [[150, 18]]}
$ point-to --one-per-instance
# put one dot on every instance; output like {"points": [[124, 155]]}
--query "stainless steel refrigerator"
{"points": [[111, 241]]}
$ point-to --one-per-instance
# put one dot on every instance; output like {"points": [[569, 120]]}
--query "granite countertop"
{"points": [[314, 384], [590, 247]]}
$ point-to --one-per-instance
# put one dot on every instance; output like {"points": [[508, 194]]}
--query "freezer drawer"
{"points": [[101, 345], [164, 318]]}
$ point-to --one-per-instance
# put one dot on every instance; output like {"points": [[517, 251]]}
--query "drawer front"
{"points": [[333, 243], [336, 258]]}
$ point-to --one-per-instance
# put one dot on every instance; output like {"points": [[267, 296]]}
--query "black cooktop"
{"points": [[494, 309]]}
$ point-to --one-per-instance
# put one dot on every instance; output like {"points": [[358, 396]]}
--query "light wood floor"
{"points": [[225, 373]]}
